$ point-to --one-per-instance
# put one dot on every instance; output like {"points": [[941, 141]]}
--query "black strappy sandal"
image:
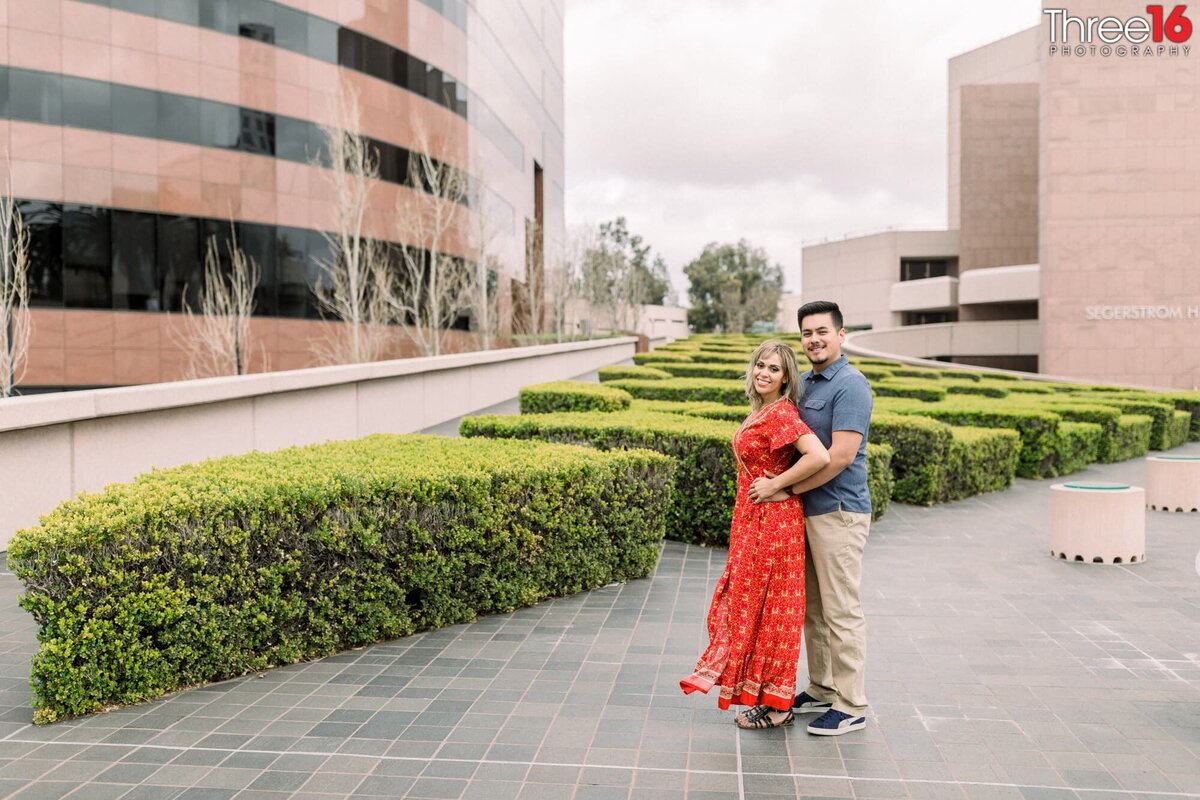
{"points": [[759, 717]]}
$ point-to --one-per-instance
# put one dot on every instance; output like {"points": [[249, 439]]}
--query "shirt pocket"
{"points": [[815, 404]]}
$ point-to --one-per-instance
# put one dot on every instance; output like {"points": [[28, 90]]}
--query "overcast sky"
{"points": [[780, 121]]}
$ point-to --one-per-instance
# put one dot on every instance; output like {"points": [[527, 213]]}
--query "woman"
{"points": [[757, 611]]}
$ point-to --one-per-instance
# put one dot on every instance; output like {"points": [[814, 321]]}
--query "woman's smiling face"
{"points": [[768, 376]]}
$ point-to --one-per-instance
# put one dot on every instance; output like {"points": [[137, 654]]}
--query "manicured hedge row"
{"points": [[1036, 427], [684, 390], [1077, 444], [723, 372], [707, 410], [927, 391], [980, 388], [626, 372], [546, 398], [979, 460], [1131, 437], [919, 446], [659, 357], [1189, 402], [872, 374], [706, 476], [1167, 429], [702, 500], [208, 571]]}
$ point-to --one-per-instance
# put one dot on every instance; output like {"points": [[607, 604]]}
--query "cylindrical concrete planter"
{"points": [[1098, 523], [1173, 483]]}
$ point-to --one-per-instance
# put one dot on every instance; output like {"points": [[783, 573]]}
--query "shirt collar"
{"points": [[829, 371]]}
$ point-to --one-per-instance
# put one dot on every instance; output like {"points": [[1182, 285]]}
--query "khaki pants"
{"points": [[835, 633]]}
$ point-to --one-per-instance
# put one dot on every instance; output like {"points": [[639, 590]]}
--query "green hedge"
{"points": [[1131, 437], [696, 409], [927, 391], [684, 390], [920, 373], [1178, 428], [1189, 402], [979, 460], [626, 372], [973, 387], [705, 478], [919, 446], [702, 500], [1022, 387], [872, 374], [879, 477], [742, 358], [1077, 444], [724, 372], [546, 398], [658, 357], [1078, 410], [1164, 434], [209, 571], [1036, 427]]}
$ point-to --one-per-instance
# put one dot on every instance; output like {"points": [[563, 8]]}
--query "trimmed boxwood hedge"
{"points": [[632, 372], [1131, 437], [1189, 402], [546, 398], [872, 374], [1036, 427], [659, 357], [879, 477], [979, 460], [706, 477], [974, 387], [723, 372], [1077, 444], [927, 391], [707, 390], [209, 571], [706, 410], [1165, 432], [919, 446]]}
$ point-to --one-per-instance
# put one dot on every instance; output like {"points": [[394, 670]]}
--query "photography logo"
{"points": [[1160, 33]]}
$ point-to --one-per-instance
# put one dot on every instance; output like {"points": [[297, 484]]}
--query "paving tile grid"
{"points": [[994, 671]]}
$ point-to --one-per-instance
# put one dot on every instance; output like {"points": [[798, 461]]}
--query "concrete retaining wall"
{"points": [[53, 446]]}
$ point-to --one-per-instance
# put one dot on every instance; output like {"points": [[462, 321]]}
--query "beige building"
{"points": [[1073, 232]]}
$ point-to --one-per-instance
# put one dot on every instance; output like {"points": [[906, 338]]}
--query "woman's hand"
{"points": [[764, 490]]}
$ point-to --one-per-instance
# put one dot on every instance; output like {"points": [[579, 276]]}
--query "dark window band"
{"points": [[54, 99], [319, 38], [110, 258]]}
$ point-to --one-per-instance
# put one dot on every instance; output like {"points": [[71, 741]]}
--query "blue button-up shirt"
{"points": [[838, 399]]}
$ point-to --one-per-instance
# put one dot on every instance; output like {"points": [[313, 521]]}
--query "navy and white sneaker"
{"points": [[805, 703], [835, 723]]}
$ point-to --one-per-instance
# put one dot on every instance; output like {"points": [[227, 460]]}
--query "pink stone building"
{"points": [[136, 129], [1073, 236]]}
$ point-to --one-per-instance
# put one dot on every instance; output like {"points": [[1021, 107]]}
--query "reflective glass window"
{"points": [[87, 265], [179, 261], [220, 125], [184, 11], [134, 282], [258, 243], [322, 39], [294, 272], [134, 111], [179, 118], [258, 132], [147, 7], [219, 15], [86, 103], [291, 29], [291, 139], [44, 223], [256, 20], [34, 96]]}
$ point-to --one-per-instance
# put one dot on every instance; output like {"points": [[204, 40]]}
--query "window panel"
{"points": [[179, 118], [220, 125], [34, 96], [291, 139], [134, 111], [87, 103], [258, 243], [147, 7], [183, 11], [134, 282], [323, 39], [258, 132], [87, 264], [256, 20], [44, 223], [179, 261], [219, 15], [291, 29]]}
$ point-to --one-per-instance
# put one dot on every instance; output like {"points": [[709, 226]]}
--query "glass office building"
{"points": [[136, 130]]}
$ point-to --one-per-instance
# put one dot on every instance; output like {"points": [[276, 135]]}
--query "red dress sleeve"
{"points": [[785, 426]]}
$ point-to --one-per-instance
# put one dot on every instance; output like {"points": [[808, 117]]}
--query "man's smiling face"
{"points": [[822, 341]]}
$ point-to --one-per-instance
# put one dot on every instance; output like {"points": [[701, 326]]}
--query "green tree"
{"points": [[732, 287], [617, 274]]}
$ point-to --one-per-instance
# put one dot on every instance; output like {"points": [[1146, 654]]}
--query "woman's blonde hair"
{"points": [[791, 388]]}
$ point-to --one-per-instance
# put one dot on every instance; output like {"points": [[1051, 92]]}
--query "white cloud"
{"points": [[772, 120]]}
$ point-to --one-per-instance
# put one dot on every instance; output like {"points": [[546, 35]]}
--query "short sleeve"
{"points": [[852, 406], [785, 426]]}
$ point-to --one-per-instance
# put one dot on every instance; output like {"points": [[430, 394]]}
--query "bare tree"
{"points": [[355, 280], [485, 289], [218, 337], [562, 278], [434, 286], [16, 326], [533, 290]]}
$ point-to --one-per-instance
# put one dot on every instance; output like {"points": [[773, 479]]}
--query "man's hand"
{"points": [[764, 490]]}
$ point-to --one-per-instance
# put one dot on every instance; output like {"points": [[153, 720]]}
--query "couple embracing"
{"points": [[800, 525]]}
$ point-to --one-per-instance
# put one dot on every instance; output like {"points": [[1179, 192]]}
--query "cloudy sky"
{"points": [[780, 121]]}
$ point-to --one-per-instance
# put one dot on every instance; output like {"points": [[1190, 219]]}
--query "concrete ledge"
{"points": [[54, 446], [999, 284]]}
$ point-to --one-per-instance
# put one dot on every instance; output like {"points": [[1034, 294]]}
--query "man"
{"points": [[837, 508]]}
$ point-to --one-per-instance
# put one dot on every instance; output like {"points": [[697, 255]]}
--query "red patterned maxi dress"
{"points": [[757, 612]]}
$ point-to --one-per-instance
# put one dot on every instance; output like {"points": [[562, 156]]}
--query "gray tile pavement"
{"points": [[995, 672]]}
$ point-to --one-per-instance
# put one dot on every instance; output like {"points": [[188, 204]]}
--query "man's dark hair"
{"points": [[820, 307]]}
